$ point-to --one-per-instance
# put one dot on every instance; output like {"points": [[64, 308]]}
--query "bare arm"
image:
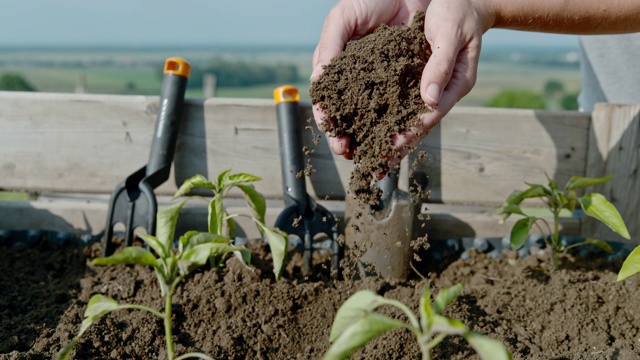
{"points": [[580, 17], [454, 30]]}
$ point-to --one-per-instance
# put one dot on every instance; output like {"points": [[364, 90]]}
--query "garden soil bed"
{"points": [[232, 312]]}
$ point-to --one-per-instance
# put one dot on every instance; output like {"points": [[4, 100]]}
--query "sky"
{"points": [[188, 22]]}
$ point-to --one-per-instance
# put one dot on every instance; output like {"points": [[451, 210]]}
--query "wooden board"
{"points": [[480, 155], [89, 143], [86, 214], [614, 148]]}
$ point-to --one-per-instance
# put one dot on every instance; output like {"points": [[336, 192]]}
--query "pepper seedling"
{"points": [[593, 204], [357, 323], [194, 249]]}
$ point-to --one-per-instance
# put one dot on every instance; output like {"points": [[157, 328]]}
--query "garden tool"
{"points": [[382, 233], [302, 216], [133, 202]]}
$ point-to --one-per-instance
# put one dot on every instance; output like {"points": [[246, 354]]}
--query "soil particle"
{"points": [[370, 92]]}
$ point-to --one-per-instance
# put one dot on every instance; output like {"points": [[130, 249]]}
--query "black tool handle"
{"points": [[291, 156], [174, 84]]}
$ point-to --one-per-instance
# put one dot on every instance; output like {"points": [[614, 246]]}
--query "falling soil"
{"points": [[233, 312], [370, 92]]}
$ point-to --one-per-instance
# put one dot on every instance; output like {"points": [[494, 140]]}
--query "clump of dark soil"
{"points": [[579, 312], [370, 92]]}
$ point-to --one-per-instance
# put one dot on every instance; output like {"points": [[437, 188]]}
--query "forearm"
{"points": [[581, 17]]}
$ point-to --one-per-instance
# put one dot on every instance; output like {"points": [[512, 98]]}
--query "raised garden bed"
{"points": [[579, 312]]}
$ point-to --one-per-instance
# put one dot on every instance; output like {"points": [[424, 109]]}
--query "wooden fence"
{"points": [[72, 149]]}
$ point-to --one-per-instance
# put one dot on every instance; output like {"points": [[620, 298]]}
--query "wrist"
{"points": [[487, 12]]}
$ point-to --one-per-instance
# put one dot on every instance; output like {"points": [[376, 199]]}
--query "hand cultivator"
{"points": [[133, 202], [302, 216]]}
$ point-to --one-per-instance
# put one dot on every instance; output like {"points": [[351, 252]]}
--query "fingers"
{"points": [[338, 28]]}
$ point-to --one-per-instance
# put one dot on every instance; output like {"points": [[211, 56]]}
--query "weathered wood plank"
{"points": [[86, 214], [89, 143], [480, 155], [614, 148]]}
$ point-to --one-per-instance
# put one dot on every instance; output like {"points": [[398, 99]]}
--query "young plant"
{"points": [[171, 267], [194, 249], [357, 323], [222, 223], [556, 200]]}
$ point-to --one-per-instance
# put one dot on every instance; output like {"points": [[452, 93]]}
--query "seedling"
{"points": [[357, 323], [194, 249], [222, 223], [593, 204]]}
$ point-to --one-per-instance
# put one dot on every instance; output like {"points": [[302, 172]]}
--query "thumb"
{"points": [[437, 72]]}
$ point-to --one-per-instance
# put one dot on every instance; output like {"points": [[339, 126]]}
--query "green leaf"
{"points": [[520, 231], [514, 198], [222, 179], [98, 306], [197, 181], [242, 178], [445, 297], [244, 255], [509, 210], [603, 245], [534, 191], [578, 182], [231, 228], [132, 255], [255, 200], [216, 215], [279, 245], [360, 332], [597, 206], [631, 265], [153, 243], [199, 254], [356, 307], [194, 238], [448, 326], [183, 243], [166, 223], [426, 311], [487, 348]]}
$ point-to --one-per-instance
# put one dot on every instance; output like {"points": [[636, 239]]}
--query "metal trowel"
{"points": [[133, 202], [382, 234]]}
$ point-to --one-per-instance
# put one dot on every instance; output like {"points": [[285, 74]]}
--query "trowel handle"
{"points": [[290, 136], [174, 84]]}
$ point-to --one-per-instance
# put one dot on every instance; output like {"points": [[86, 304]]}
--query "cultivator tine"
{"points": [[302, 216]]}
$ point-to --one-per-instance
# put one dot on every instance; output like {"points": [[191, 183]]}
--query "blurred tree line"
{"points": [[15, 82], [240, 73], [553, 97]]}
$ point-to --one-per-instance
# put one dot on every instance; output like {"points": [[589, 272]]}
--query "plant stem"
{"points": [[555, 239], [194, 355], [168, 332]]}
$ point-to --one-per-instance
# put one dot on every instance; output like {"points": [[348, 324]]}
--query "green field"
{"points": [[136, 71]]}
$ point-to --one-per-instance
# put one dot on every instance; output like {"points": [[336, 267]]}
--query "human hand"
{"points": [[351, 20], [454, 30]]}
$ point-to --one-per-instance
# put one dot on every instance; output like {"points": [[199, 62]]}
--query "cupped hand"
{"points": [[351, 20], [454, 31]]}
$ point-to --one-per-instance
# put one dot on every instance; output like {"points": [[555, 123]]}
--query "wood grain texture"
{"points": [[480, 155], [614, 148], [86, 214]]}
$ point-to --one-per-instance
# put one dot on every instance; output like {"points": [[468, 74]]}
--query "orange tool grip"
{"points": [[286, 93], [177, 66]]}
